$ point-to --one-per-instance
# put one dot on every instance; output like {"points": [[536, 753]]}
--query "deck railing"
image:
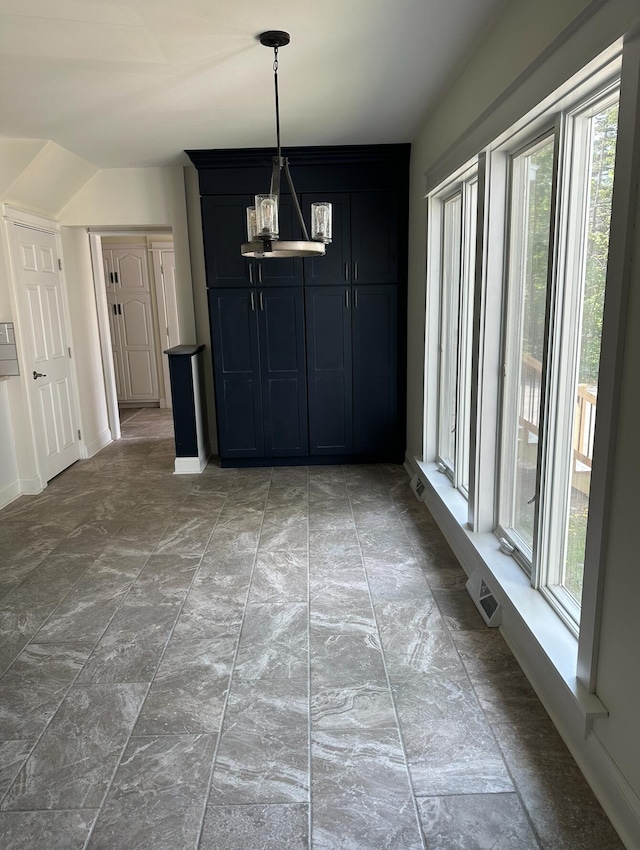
{"points": [[585, 414]]}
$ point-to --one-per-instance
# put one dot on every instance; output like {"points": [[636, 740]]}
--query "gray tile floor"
{"points": [[260, 660]]}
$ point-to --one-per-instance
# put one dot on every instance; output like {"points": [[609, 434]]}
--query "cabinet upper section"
{"points": [[367, 185]]}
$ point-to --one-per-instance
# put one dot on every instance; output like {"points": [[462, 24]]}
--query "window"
{"points": [[518, 429], [557, 217], [458, 212]]}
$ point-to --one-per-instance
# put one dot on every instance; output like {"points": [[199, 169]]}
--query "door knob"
{"points": [[37, 375]]}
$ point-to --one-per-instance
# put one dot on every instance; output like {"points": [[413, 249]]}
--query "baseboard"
{"points": [[94, 446], [609, 785], [31, 486], [9, 493], [189, 465]]}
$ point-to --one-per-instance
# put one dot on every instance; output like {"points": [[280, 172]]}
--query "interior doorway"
{"points": [[135, 289]]}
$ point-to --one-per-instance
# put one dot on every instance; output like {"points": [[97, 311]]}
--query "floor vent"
{"points": [[417, 485], [484, 599]]}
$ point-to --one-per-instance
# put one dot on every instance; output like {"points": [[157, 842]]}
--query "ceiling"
{"points": [[134, 83]]}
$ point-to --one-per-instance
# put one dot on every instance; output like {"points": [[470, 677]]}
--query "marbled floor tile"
{"points": [[53, 830], [415, 641], [292, 537], [189, 691], [88, 538], [72, 763], [377, 515], [165, 580], [86, 611], [476, 822], [26, 608], [346, 659], [376, 542], [449, 745], [203, 503], [338, 545], [186, 534], [562, 807], [331, 519], [280, 577], [445, 576], [35, 685], [348, 707], [289, 476], [360, 792], [116, 562], [263, 751], [458, 610], [274, 642], [335, 596], [271, 827], [207, 614], [131, 648], [157, 797], [13, 755], [396, 578], [225, 566]]}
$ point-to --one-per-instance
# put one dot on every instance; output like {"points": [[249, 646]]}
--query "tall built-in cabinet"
{"points": [[133, 340], [309, 355]]}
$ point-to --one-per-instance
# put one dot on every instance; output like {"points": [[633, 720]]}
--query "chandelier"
{"points": [[262, 219]]}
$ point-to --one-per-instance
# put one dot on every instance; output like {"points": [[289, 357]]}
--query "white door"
{"points": [[131, 319], [164, 266], [45, 340]]}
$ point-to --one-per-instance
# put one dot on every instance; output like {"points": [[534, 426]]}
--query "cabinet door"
{"points": [[335, 267], [375, 370], [328, 314], [374, 237], [224, 226], [282, 371], [234, 339], [284, 272]]}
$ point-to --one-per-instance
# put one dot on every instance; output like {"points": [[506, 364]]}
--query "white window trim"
{"points": [[469, 526]]}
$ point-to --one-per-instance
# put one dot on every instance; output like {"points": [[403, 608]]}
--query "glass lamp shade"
{"points": [[321, 222], [267, 216], [252, 228]]}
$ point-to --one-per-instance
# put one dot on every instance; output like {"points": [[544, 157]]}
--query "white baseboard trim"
{"points": [[9, 493], [190, 465], [31, 486], [570, 707], [94, 446]]}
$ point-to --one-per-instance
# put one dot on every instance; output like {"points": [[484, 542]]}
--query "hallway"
{"points": [[260, 659]]}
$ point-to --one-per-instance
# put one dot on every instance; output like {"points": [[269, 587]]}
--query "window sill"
{"points": [[543, 645]]}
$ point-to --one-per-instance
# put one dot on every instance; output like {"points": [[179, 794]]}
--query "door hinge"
{"points": [[59, 263], [79, 434], [69, 350]]}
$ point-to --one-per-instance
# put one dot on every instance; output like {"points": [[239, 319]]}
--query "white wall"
{"points": [[42, 178], [141, 197], [528, 35], [9, 483]]}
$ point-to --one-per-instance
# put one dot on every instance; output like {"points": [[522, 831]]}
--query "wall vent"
{"points": [[418, 488], [484, 599]]}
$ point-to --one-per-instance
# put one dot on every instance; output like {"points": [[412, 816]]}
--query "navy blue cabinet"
{"points": [[375, 370], [352, 364], [224, 220], [260, 377], [309, 356], [365, 239], [329, 365]]}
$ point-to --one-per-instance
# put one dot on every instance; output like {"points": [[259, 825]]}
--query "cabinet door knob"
{"points": [[355, 270], [259, 272], [252, 297], [250, 272], [261, 300], [346, 298], [346, 271]]}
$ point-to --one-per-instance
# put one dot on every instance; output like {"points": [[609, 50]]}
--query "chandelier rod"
{"points": [[275, 83]]}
